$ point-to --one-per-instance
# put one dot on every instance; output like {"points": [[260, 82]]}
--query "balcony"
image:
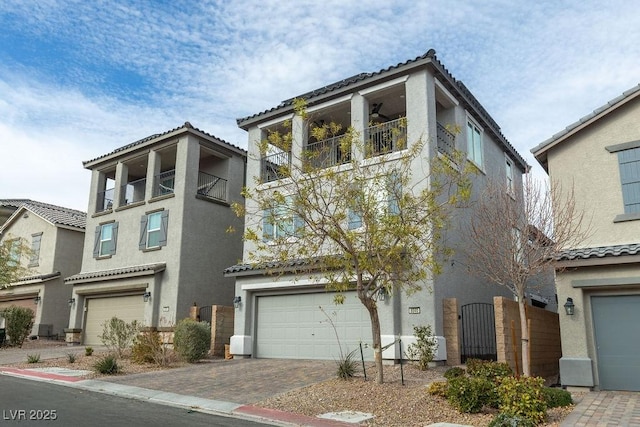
{"points": [[387, 137], [105, 200], [164, 183], [328, 152], [275, 166], [133, 192], [212, 186], [446, 141]]}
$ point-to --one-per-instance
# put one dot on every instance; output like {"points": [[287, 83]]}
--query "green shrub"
{"points": [[506, 420], [454, 373], [18, 323], [107, 365], [192, 339], [33, 358], [148, 348], [488, 369], [470, 394], [556, 397], [438, 388], [71, 357], [88, 351], [523, 396], [117, 335], [424, 348], [347, 366]]}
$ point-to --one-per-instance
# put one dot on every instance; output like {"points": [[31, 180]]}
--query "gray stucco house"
{"points": [[55, 236], [157, 243], [279, 316], [599, 156]]}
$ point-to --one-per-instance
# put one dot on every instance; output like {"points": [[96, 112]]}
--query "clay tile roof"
{"points": [[57, 215], [599, 252], [139, 269]]}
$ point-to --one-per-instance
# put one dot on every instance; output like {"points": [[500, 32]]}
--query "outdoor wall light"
{"points": [[146, 296], [37, 299], [381, 295], [71, 302], [569, 307], [236, 301]]}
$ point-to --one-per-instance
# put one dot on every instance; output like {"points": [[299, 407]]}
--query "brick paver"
{"points": [[606, 408]]}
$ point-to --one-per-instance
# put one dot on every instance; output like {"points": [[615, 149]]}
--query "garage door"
{"points": [[101, 310], [617, 335], [294, 326]]}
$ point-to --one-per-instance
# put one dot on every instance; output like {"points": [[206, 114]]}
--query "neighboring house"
{"points": [[599, 156], [55, 236], [279, 317], [159, 209]]}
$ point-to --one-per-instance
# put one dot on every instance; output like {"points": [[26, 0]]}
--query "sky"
{"points": [[79, 79]]}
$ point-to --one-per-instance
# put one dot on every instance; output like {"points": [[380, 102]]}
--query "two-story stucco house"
{"points": [[599, 157], [279, 316], [55, 236], [157, 243]]}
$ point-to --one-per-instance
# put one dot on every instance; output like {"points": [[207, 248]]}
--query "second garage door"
{"points": [[101, 310], [616, 320], [294, 326]]}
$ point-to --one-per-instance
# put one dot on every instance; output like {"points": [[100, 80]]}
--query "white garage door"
{"points": [[294, 326], [615, 321], [101, 310]]}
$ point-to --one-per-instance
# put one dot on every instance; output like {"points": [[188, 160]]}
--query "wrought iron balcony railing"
{"points": [[212, 186]]}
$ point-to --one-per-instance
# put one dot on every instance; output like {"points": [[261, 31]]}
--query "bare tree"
{"points": [[514, 238], [371, 223]]}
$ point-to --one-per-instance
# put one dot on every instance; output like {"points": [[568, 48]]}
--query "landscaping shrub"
{"points": [[506, 420], [556, 397], [438, 388], [347, 366], [107, 365], [18, 323], [488, 369], [88, 351], [117, 335], [454, 372], [71, 357], [192, 340], [470, 394], [523, 396], [424, 348], [148, 348], [33, 358]]}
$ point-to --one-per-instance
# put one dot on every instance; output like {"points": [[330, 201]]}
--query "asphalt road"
{"points": [[27, 402]]}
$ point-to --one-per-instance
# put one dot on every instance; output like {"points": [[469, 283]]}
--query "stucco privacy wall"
{"points": [[544, 340]]}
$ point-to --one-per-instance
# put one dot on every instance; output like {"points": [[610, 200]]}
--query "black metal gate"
{"points": [[204, 314], [478, 332]]}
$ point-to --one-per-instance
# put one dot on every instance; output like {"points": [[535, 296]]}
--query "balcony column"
{"points": [[98, 184], [359, 120], [122, 175], [421, 109], [154, 162], [299, 139]]}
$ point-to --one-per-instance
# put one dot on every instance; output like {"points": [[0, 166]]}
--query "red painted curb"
{"points": [[43, 375], [289, 417]]}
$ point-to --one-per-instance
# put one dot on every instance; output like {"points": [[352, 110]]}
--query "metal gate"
{"points": [[204, 314], [478, 332]]}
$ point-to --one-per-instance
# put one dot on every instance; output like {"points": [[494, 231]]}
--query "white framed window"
{"points": [[36, 239], [509, 174], [153, 230], [474, 143], [385, 193], [280, 222], [14, 252], [105, 240]]}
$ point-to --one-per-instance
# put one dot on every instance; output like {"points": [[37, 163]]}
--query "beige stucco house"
{"points": [[55, 236], [158, 213], [599, 155]]}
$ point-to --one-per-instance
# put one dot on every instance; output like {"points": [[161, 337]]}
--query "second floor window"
{"points": [[105, 240], [384, 195], [153, 230], [280, 222], [35, 249], [509, 175], [474, 144]]}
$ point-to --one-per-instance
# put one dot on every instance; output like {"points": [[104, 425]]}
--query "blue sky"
{"points": [[81, 78]]}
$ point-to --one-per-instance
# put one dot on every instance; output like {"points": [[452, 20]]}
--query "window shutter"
{"points": [[96, 244], [267, 225], [164, 227], [114, 239], [142, 244], [630, 179]]}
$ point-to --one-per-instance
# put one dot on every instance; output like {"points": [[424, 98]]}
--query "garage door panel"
{"points": [[101, 310], [617, 338], [306, 332]]}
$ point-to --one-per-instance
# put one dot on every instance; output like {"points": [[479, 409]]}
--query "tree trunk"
{"points": [[375, 333], [524, 331]]}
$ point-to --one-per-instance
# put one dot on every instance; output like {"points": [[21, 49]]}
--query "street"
{"points": [[26, 402]]}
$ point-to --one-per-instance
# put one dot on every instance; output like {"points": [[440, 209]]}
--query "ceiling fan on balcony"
{"points": [[375, 112]]}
